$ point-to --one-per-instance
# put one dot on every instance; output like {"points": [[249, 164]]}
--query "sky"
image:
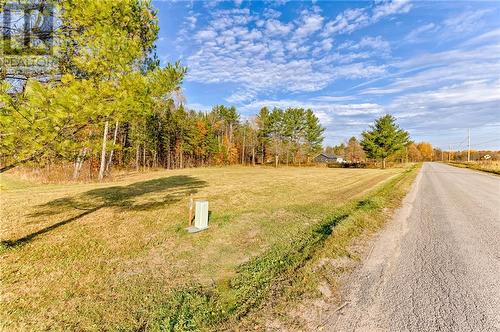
{"points": [[435, 65]]}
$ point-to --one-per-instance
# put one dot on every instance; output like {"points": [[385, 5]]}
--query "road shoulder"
{"points": [[359, 310]]}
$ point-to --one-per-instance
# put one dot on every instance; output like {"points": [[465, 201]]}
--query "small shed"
{"points": [[328, 158]]}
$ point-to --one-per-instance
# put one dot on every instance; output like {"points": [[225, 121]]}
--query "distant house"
{"points": [[328, 158]]}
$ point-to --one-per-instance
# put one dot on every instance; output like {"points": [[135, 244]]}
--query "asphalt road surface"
{"points": [[436, 266]]}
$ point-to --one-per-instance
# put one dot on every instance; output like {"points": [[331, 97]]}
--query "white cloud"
{"points": [[433, 70], [360, 70], [357, 109], [432, 77], [191, 20], [327, 44], [271, 13], [487, 52], [434, 112], [211, 3], [451, 28], [490, 36], [466, 22], [275, 27], [309, 23], [347, 21], [380, 46], [377, 43], [333, 98], [206, 35], [251, 35], [456, 88], [387, 8], [261, 60], [356, 18], [416, 34], [187, 27], [455, 95], [241, 96]]}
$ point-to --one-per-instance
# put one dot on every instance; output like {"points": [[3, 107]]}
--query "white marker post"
{"points": [[200, 216]]}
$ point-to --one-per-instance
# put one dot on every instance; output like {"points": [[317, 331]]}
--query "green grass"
{"points": [[115, 256], [485, 166]]}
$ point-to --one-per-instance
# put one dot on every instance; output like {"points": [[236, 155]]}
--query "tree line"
{"points": [[176, 137], [352, 151], [382, 136], [383, 141]]}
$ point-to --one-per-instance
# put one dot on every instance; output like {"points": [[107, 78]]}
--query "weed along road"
{"points": [[436, 266]]}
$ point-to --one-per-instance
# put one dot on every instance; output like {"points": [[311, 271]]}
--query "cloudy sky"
{"points": [[434, 65]]}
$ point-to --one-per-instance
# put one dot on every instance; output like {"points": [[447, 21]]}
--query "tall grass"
{"points": [[484, 165]]}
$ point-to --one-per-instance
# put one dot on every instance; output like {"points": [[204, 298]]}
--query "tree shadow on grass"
{"points": [[153, 194]]}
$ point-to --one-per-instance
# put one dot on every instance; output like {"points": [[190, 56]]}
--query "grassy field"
{"points": [[116, 256], [485, 166]]}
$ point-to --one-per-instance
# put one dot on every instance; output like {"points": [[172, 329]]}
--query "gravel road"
{"points": [[436, 266]]}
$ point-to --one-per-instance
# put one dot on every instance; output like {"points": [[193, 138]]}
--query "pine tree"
{"points": [[384, 139], [295, 125], [276, 133], [263, 131], [313, 134]]}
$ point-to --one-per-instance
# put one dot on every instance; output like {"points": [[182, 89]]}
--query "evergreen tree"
{"points": [[313, 134], [276, 133], [294, 127], [263, 131], [384, 139]]}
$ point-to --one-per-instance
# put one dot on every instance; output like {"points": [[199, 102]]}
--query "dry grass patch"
{"points": [[490, 166], [107, 256]]}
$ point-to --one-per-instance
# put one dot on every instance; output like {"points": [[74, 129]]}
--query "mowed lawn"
{"points": [[105, 256]]}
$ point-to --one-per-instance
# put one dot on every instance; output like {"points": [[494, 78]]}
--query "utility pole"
{"points": [[468, 150], [449, 154]]}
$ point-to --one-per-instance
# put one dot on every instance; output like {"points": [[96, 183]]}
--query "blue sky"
{"points": [[433, 65]]}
